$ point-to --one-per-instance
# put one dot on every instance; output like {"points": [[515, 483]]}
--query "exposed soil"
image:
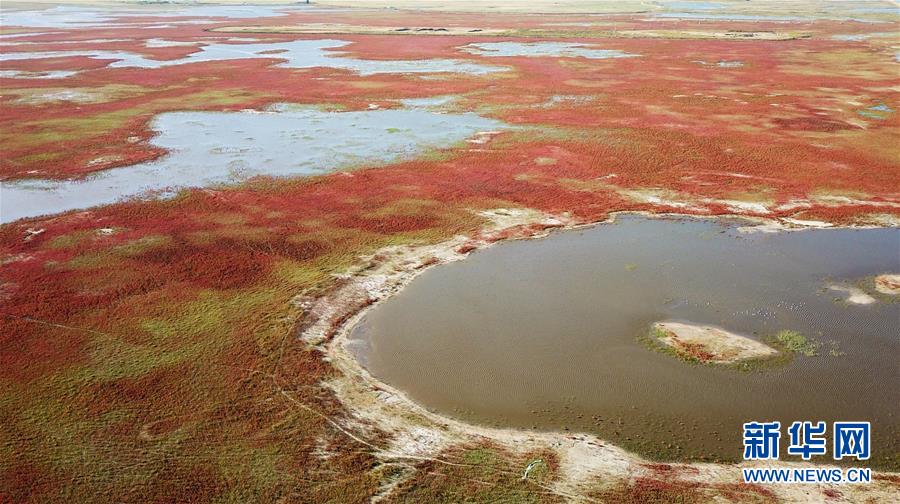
{"points": [[888, 284], [854, 295], [710, 344]]}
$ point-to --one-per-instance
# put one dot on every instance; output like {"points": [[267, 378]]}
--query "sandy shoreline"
{"points": [[585, 461]]}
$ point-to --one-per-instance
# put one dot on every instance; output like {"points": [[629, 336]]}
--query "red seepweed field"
{"points": [[154, 350]]}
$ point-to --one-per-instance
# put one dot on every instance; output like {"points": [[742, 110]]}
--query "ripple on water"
{"points": [[545, 333]]}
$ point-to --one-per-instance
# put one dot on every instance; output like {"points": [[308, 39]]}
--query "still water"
{"points": [[544, 334], [293, 54], [215, 148]]}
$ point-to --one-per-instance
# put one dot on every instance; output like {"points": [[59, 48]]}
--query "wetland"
{"points": [[550, 334]]}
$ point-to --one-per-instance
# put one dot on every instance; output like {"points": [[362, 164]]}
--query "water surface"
{"points": [[71, 16], [688, 6], [544, 334], [295, 54], [214, 148]]}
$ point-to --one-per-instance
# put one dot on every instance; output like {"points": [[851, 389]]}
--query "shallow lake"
{"points": [[75, 16], [544, 334], [214, 148], [294, 54]]}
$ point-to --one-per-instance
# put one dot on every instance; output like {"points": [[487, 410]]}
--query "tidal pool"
{"points": [[545, 333], [71, 16], [214, 148], [296, 54]]}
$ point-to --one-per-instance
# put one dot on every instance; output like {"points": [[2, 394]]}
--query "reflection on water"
{"points": [[544, 334]]}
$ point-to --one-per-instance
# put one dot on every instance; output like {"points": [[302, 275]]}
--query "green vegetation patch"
{"points": [[69, 240], [481, 474], [795, 343], [141, 245], [33, 132]]}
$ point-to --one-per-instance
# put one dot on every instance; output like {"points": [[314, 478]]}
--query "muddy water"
{"points": [[544, 334]]}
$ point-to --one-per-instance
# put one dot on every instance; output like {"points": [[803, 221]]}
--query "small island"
{"points": [[709, 344], [888, 284]]}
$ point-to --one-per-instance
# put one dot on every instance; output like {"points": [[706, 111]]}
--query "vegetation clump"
{"points": [[796, 343], [706, 344]]}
